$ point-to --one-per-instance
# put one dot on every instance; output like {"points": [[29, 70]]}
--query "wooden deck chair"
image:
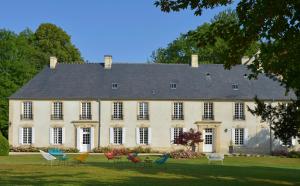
{"points": [[47, 156]]}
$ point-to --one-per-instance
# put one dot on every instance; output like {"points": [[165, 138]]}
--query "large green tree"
{"points": [[181, 49], [23, 55], [275, 24]]}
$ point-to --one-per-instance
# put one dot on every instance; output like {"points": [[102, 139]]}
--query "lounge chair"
{"points": [[47, 156], [162, 160], [81, 158], [56, 152], [215, 157]]}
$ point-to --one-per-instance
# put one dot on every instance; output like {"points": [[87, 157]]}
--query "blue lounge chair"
{"points": [[162, 160]]}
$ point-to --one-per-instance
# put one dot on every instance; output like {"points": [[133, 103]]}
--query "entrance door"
{"points": [[208, 140], [85, 139]]}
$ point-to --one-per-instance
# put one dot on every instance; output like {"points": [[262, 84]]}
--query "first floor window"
{"points": [[117, 135], [144, 136], [27, 110], [177, 133], [239, 111], [57, 110], [117, 110], [27, 135], [208, 111], [86, 111], [57, 135], [177, 111], [239, 136]]}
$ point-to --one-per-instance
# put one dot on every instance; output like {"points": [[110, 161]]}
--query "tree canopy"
{"points": [[274, 24], [25, 54], [181, 49]]}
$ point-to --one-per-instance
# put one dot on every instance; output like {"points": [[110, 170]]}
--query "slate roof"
{"points": [[149, 81]]}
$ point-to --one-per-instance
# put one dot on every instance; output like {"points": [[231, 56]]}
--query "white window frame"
{"points": [[27, 110], [173, 85], [57, 136], [177, 132], [143, 110], [144, 135], [239, 110], [86, 110], [117, 110], [27, 134], [178, 110], [208, 110], [57, 109], [117, 135], [239, 136]]}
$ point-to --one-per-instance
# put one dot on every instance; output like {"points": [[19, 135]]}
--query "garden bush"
{"points": [[37, 149], [4, 146], [294, 154], [185, 154]]}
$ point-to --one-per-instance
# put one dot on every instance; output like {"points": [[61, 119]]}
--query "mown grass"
{"points": [[33, 170]]}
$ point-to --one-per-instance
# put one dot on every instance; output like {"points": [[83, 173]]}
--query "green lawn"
{"points": [[31, 170]]}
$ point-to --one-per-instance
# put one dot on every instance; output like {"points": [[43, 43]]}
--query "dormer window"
{"points": [[114, 86], [207, 76], [245, 76], [235, 86], [173, 85]]}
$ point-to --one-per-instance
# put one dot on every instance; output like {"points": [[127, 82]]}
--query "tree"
{"points": [[54, 41], [25, 54], [274, 24], [283, 119], [181, 49], [189, 139], [4, 146]]}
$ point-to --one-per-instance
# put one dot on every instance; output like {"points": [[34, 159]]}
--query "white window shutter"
{"points": [[51, 140], [137, 133], [33, 135], [233, 135], [78, 137], [294, 141], [123, 135], [246, 136], [21, 135], [149, 136], [92, 137], [111, 135], [63, 135], [172, 135]]}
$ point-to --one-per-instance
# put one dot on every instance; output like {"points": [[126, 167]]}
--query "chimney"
{"points": [[53, 62], [194, 62], [107, 61]]}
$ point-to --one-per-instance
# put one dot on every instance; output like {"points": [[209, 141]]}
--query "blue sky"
{"points": [[127, 30]]}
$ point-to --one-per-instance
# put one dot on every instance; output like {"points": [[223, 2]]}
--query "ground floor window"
{"points": [[57, 136], [117, 135], [27, 135], [144, 135], [239, 136], [176, 133]]}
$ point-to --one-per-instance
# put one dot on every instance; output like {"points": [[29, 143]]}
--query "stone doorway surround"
{"points": [[201, 125]]}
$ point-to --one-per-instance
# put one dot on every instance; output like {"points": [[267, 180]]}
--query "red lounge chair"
{"points": [[109, 156]]}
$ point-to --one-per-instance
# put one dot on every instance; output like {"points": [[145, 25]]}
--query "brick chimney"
{"points": [[194, 61], [107, 61], [53, 62]]}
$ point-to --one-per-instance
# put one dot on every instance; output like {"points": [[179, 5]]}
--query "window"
{"points": [[235, 86], [117, 111], [208, 111], [27, 136], [27, 110], [114, 86], [239, 135], [143, 111], [173, 85], [86, 111], [117, 135], [57, 136], [86, 136], [239, 111], [57, 113], [144, 136], [177, 133], [177, 111]]}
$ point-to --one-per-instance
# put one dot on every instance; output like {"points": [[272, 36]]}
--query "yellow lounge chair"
{"points": [[81, 158]]}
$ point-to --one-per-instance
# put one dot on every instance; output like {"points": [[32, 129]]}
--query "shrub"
{"points": [[37, 149], [4, 146], [141, 149], [280, 153], [294, 154], [185, 154]]}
